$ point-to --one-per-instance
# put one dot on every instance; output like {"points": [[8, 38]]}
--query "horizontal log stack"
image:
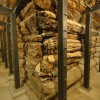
{"points": [[37, 24], [21, 55], [39, 34], [97, 51], [38, 46], [9, 3]]}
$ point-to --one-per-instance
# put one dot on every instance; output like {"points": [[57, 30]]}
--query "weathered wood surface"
{"points": [[28, 26], [28, 10], [38, 29], [47, 20], [9, 3], [51, 45], [43, 4]]}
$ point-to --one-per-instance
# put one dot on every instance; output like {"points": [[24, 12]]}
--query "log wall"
{"points": [[38, 46]]}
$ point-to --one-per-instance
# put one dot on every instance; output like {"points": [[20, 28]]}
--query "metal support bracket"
{"points": [[87, 46], [87, 52], [8, 11], [4, 10], [62, 49], [9, 48], [5, 49], [3, 23], [15, 50], [2, 47]]}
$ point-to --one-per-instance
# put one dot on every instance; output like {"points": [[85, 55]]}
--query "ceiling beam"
{"points": [[4, 10], [3, 23], [1, 31], [95, 8]]}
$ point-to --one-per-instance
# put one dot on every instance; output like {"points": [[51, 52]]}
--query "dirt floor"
{"points": [[5, 85], [81, 94], [93, 93]]}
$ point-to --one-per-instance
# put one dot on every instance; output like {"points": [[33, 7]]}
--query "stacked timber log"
{"points": [[38, 46], [9, 3], [21, 55], [97, 50], [38, 27], [4, 19], [94, 54]]}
